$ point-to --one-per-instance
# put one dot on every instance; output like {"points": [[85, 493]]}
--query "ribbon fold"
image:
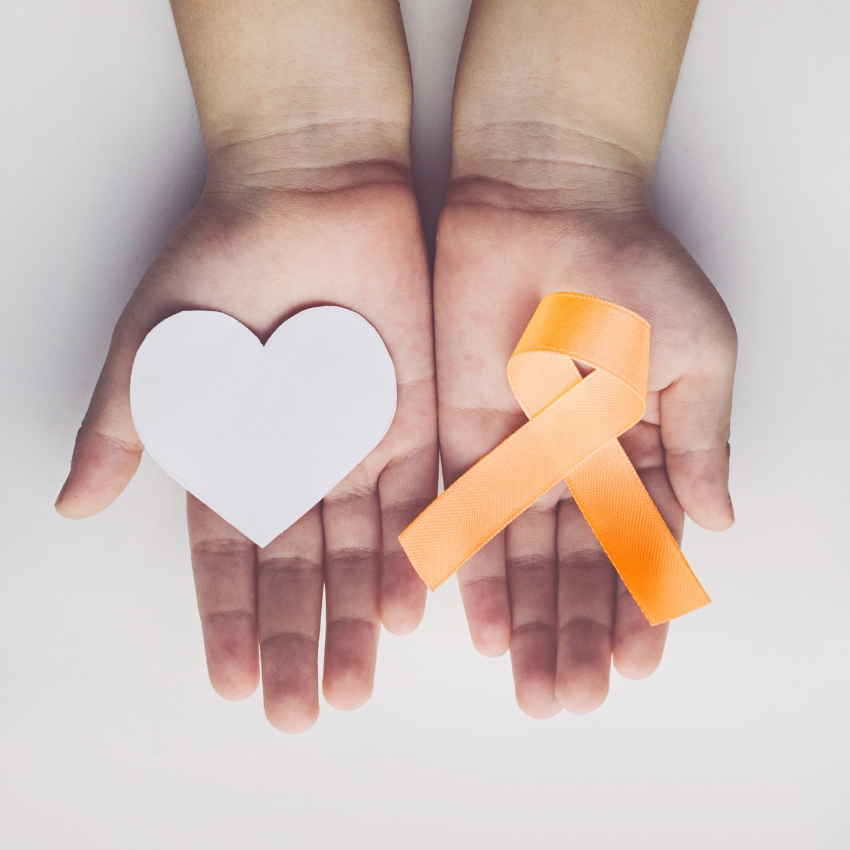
{"points": [[571, 435]]}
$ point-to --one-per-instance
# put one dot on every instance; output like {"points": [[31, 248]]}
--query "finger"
{"points": [[406, 488], [484, 591], [224, 562], [695, 414], [107, 450], [290, 579], [586, 588], [639, 646], [531, 562], [352, 527], [482, 579]]}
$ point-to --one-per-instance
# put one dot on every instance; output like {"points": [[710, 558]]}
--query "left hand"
{"points": [[544, 588]]}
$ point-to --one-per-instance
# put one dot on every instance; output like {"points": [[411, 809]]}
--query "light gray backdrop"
{"points": [[110, 736]]}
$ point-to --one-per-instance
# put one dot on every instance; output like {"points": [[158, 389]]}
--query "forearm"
{"points": [[567, 100], [286, 89]]}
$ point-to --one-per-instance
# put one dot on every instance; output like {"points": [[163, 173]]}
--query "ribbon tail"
{"points": [[633, 534]]}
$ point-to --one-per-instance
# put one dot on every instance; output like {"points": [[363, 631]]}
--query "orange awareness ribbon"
{"points": [[571, 434]]}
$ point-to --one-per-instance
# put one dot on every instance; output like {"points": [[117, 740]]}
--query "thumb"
{"points": [[108, 450], [695, 414]]}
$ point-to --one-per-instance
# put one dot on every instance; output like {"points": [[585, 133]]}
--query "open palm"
{"points": [[544, 587], [260, 257]]}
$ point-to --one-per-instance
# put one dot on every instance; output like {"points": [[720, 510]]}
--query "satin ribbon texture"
{"points": [[571, 435]]}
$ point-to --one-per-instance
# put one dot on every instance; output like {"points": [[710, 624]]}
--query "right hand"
{"points": [[260, 256]]}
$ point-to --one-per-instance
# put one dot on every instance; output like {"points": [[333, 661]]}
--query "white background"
{"points": [[110, 736]]}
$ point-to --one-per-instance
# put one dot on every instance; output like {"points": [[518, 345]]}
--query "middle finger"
{"points": [[289, 601]]}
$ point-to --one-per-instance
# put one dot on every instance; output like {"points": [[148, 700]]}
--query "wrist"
{"points": [[314, 156], [542, 165], [288, 92]]}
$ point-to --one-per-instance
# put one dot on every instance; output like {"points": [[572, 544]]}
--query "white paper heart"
{"points": [[258, 433]]}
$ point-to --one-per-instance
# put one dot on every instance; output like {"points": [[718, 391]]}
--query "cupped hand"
{"points": [[261, 255], [544, 588]]}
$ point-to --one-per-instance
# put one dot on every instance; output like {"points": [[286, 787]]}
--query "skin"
{"points": [[308, 201], [558, 115], [559, 111]]}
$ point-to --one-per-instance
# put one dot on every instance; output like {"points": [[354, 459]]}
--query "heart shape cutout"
{"points": [[262, 433]]}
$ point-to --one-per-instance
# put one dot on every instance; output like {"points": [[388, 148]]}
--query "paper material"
{"points": [[258, 433]]}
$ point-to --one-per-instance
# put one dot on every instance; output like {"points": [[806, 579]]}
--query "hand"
{"points": [[544, 587], [260, 255]]}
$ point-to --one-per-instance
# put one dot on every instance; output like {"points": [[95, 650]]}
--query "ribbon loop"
{"points": [[571, 435]]}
